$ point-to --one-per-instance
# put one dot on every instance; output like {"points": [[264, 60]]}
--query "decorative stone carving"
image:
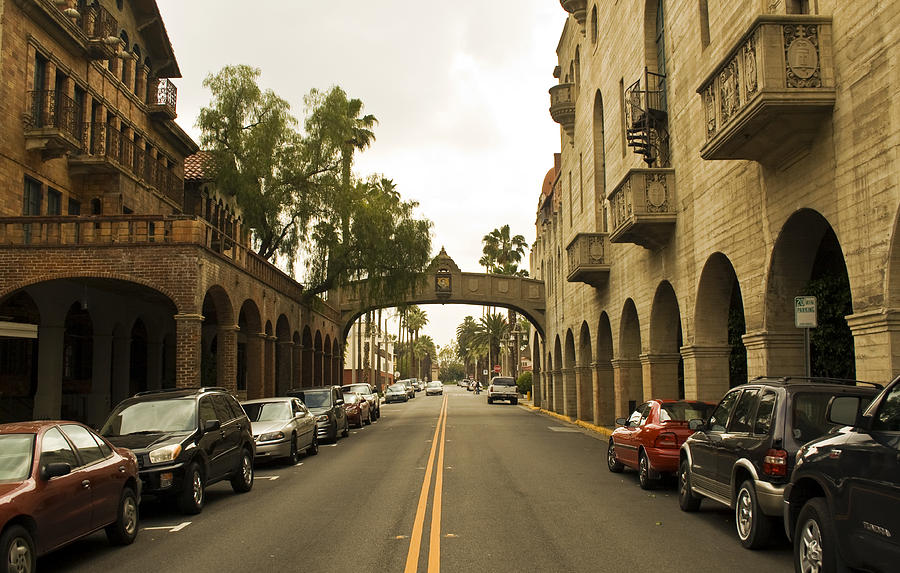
{"points": [[801, 54], [751, 82], [657, 193]]}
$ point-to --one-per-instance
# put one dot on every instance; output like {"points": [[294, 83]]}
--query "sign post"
{"points": [[805, 317]]}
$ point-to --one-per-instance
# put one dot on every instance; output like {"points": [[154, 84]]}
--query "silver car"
{"points": [[282, 428]]}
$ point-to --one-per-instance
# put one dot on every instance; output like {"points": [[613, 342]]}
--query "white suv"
{"points": [[503, 388]]}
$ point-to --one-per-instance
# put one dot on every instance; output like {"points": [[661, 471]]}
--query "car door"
{"points": [[304, 422], [337, 402], [627, 438], [212, 443], [105, 471], [738, 440], [231, 432], [706, 444]]}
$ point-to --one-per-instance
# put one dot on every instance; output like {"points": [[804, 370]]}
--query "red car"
{"points": [[60, 481], [649, 440], [357, 408]]}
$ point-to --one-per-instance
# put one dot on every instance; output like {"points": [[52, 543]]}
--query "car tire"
{"points": [[614, 465], [815, 543], [754, 528], [193, 495], [644, 472], [369, 418], [242, 480], [125, 528], [687, 499], [313, 448], [514, 401], [18, 549], [294, 456]]}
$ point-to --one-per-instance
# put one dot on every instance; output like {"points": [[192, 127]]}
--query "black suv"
{"points": [[327, 404], [842, 506], [185, 440], [743, 454]]}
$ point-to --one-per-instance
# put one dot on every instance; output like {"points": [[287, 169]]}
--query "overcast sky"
{"points": [[459, 89]]}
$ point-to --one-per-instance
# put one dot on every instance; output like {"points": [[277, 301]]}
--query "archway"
{"points": [[663, 368], [585, 393], [327, 368], [337, 363], [558, 403], [605, 390], [318, 375], [18, 358], [284, 356], [269, 369], [627, 367], [308, 358], [537, 376], [250, 350], [570, 404]]}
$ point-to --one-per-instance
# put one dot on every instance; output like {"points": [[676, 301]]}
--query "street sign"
{"points": [[805, 312], [497, 368], [484, 371]]}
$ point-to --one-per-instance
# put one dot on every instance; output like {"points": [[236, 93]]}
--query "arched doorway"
{"points": [[250, 351], [663, 366], [605, 392], [585, 394], [627, 367]]}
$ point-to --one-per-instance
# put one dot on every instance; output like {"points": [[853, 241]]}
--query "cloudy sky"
{"points": [[459, 89]]}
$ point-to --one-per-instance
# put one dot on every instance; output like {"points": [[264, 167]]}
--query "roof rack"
{"points": [[190, 389], [817, 380]]}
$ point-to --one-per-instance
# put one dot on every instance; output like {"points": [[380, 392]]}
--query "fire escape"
{"points": [[647, 120]]}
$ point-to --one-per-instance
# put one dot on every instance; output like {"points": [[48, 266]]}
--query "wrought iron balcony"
{"points": [[562, 107], [647, 119], [161, 98], [577, 8], [100, 27], [642, 208], [53, 125], [588, 259], [768, 98]]}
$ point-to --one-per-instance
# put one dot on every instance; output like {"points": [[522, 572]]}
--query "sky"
{"points": [[460, 91]]}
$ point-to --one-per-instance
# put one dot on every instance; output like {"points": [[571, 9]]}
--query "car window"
{"points": [[720, 415], [645, 412], [763, 423], [236, 410], [178, 415], [87, 446], [16, 453], [220, 405], [684, 411], [888, 417], [268, 411], [635, 418], [55, 449], [808, 415], [742, 420], [207, 411]]}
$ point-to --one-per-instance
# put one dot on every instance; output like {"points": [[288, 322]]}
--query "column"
{"points": [[584, 392], [48, 397], [876, 342], [285, 366], [557, 383], [706, 372], [603, 382], [660, 375], [121, 368], [775, 353], [297, 379], [627, 383], [128, 64], [99, 400], [187, 349], [140, 81], [570, 399], [226, 356], [269, 371], [537, 378]]}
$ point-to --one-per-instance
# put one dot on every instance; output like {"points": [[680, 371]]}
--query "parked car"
{"points": [[842, 505], [369, 393], [503, 388], [327, 405], [60, 481], [464, 383], [435, 388], [358, 411], [410, 386], [282, 428], [743, 454], [650, 438], [185, 440], [419, 384], [396, 393]]}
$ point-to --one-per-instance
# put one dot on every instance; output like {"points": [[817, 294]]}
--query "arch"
{"points": [[326, 361], [557, 381], [269, 360], [664, 362], [536, 373], [627, 368], [284, 355], [584, 378], [577, 66], [599, 162], [250, 350], [570, 397], [595, 25], [307, 359], [297, 372], [604, 405], [318, 374]]}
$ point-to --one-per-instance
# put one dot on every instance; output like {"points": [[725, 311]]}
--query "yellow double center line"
{"points": [[415, 542]]}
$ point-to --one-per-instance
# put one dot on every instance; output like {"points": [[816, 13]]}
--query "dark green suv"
{"points": [[185, 440]]}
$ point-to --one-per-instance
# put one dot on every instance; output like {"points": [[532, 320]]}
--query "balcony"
{"points": [[577, 8], [100, 27], [767, 100], [161, 97], [643, 208], [647, 119], [53, 124], [562, 107], [588, 261]]}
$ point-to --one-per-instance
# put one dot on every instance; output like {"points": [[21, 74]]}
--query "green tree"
{"points": [[466, 342], [503, 252], [491, 333]]}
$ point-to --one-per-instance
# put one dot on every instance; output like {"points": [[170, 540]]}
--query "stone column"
{"points": [[121, 368], [255, 364], [48, 397], [570, 403], [584, 392], [604, 403], [628, 387], [226, 356], [269, 371], [140, 81], [99, 400], [285, 366], [187, 349], [876, 341], [660, 375], [319, 368], [775, 353], [297, 376], [706, 372], [128, 64], [536, 393]]}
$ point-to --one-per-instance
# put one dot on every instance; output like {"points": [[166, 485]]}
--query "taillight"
{"points": [[666, 440], [491, 388], [775, 463]]}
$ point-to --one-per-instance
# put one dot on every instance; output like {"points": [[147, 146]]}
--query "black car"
{"points": [[842, 505], [327, 404], [743, 454], [369, 393], [185, 440]]}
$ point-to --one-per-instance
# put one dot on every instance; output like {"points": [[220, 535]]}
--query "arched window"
{"points": [[595, 30], [660, 39], [704, 23]]}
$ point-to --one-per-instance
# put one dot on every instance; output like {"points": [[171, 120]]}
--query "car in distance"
{"points": [[743, 454], [185, 440], [327, 404], [434, 388], [59, 481], [649, 439], [369, 393], [396, 393], [503, 388], [842, 505], [357, 408], [282, 428], [410, 384]]}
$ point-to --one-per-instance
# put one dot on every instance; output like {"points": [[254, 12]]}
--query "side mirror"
{"points": [[55, 470], [339, 402], [697, 424], [621, 422], [211, 426], [843, 410]]}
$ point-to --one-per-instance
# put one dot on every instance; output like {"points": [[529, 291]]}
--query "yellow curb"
{"points": [[586, 425]]}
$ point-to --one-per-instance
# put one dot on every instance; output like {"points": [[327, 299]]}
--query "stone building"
{"points": [[121, 267], [718, 159]]}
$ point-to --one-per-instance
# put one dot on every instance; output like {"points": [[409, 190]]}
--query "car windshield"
{"points": [[361, 388], [267, 411], [503, 382], [16, 454], [351, 398], [153, 416], [316, 399], [434, 384], [685, 411], [397, 387]]}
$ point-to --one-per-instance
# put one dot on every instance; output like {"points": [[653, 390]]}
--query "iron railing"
{"points": [[162, 92], [53, 109]]}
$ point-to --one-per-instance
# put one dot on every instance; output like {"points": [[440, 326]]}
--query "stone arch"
{"points": [[663, 365], [557, 380], [327, 371], [584, 379], [337, 360], [318, 374], [604, 389], [807, 258], [307, 360], [536, 373], [219, 345], [250, 350], [284, 355], [577, 65], [627, 367], [297, 371], [570, 390], [19, 371], [599, 161]]}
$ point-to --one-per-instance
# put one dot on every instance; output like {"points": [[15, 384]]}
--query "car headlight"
{"points": [[271, 437], [322, 418], [165, 454]]}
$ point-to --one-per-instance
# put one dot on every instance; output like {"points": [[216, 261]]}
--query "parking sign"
{"points": [[805, 312]]}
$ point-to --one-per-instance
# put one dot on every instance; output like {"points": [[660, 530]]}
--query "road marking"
{"points": [[434, 549], [171, 528], [270, 478], [563, 429]]}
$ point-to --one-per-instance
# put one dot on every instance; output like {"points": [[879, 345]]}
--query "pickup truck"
{"points": [[503, 388]]}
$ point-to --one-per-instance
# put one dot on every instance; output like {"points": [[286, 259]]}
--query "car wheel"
{"points": [[294, 456], [612, 462], [369, 418], [815, 548], [242, 480], [313, 448], [193, 495], [124, 529], [644, 472], [687, 499], [753, 526], [18, 547]]}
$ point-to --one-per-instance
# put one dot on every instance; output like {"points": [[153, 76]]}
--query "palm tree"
{"points": [[465, 340], [416, 321], [492, 332], [502, 251]]}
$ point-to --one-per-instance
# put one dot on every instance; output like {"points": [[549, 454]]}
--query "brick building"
{"points": [[717, 160], [122, 267]]}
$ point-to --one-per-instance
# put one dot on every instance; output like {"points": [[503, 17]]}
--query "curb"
{"points": [[602, 430]]}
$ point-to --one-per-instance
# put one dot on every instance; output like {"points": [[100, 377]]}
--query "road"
{"points": [[475, 487]]}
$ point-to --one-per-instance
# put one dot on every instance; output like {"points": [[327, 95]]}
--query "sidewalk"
{"points": [[602, 431]]}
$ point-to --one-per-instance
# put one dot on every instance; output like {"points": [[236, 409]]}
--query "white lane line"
{"points": [[563, 429], [270, 478], [171, 528]]}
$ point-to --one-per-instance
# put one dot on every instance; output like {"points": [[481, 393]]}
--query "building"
{"points": [[718, 159], [369, 355], [122, 267]]}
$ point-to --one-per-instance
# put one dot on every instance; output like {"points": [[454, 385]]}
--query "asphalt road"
{"points": [[514, 490]]}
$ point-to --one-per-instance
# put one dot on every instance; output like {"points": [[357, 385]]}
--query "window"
{"points": [[207, 411], [87, 446], [704, 23], [55, 449], [720, 415], [888, 417], [763, 424], [594, 25], [32, 199], [74, 207], [54, 202], [220, 405], [797, 6], [742, 420]]}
